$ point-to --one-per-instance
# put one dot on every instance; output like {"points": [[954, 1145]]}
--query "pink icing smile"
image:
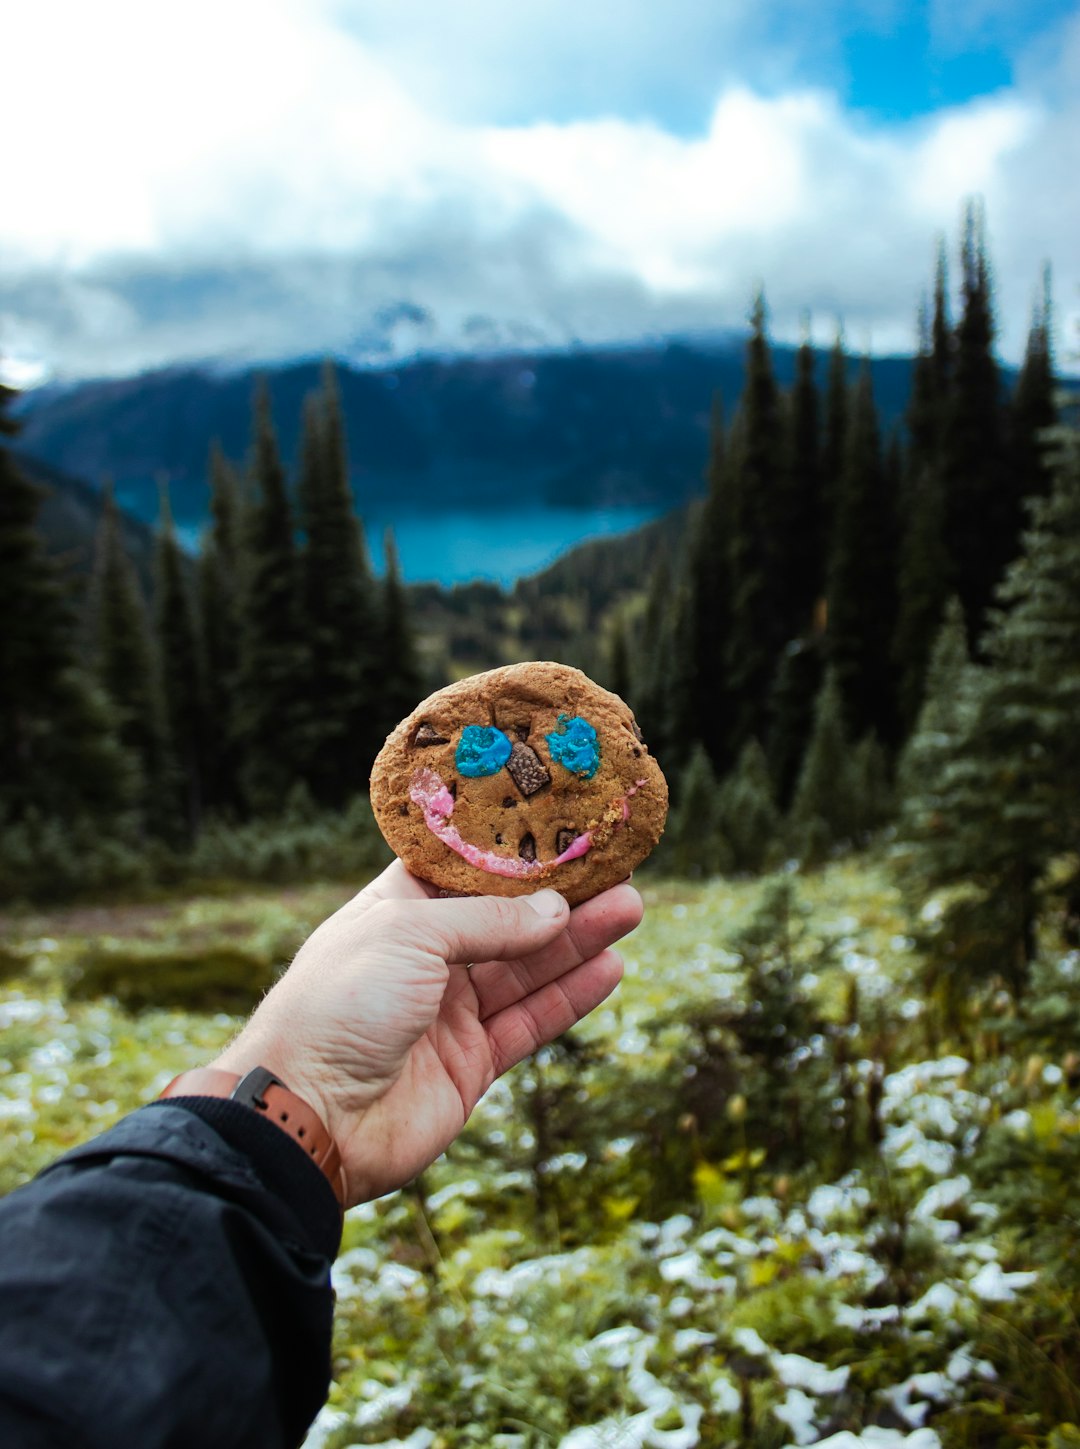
{"points": [[437, 803]]}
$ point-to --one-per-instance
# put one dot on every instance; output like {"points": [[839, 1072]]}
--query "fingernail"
{"points": [[547, 903]]}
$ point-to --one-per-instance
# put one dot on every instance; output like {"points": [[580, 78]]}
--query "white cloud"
{"points": [[262, 178]]}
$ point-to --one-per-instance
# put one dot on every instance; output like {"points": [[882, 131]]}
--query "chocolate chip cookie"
{"points": [[517, 779]]}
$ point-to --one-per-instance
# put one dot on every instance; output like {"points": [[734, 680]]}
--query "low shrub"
{"points": [[215, 977]]}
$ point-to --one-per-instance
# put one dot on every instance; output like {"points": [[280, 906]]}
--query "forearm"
{"points": [[168, 1284]]}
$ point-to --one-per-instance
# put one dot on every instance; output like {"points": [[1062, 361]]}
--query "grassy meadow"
{"points": [[764, 1196]]}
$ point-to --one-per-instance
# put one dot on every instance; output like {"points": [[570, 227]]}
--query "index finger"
{"points": [[395, 883]]}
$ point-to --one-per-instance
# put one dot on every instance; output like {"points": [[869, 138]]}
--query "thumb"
{"points": [[488, 928]]}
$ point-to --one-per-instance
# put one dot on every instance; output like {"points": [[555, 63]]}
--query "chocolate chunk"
{"points": [[429, 735], [564, 840], [527, 769], [498, 840], [637, 731], [404, 809], [527, 848], [509, 803]]}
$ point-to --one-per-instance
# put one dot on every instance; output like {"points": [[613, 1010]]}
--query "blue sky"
{"points": [[256, 179]]}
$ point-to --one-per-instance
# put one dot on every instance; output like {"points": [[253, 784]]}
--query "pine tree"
{"points": [[982, 514], [748, 818], [1033, 412], [825, 811], [834, 434], [399, 665], [924, 567], [620, 681], [181, 671], [126, 665], [59, 752], [272, 703], [945, 713], [694, 844], [221, 571], [923, 573], [799, 515], [872, 792], [791, 713], [999, 796], [341, 617], [758, 628], [861, 577], [680, 728], [710, 578]]}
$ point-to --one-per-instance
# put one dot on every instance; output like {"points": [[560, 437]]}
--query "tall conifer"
{"points": [[924, 566], [706, 630], [834, 432], [221, 571], [272, 703], [126, 664], [1033, 411], [799, 515], [861, 577], [341, 612], [620, 680], [402, 681], [758, 628], [59, 751], [181, 668], [982, 514], [997, 801]]}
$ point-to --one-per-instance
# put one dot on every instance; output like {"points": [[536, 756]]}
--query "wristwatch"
{"points": [[270, 1097]]}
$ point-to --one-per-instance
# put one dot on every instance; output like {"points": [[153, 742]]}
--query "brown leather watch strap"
{"points": [[270, 1097]]}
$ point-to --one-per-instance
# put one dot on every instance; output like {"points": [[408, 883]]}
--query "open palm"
{"points": [[401, 1010]]}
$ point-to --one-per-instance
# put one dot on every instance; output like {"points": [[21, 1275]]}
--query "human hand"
{"points": [[400, 1011]]}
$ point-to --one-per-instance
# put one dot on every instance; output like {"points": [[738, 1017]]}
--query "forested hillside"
{"points": [[581, 428]]}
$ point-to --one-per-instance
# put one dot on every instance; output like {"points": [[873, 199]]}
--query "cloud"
{"points": [[276, 191]]}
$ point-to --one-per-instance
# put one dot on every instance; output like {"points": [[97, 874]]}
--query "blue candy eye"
{"points": [[482, 750], [574, 746]]}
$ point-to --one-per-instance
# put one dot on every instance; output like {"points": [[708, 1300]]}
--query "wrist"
{"points": [[268, 1095]]}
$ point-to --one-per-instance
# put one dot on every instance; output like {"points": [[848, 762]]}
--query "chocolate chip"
{"points": [[403, 809], [526, 769], [452, 787], [498, 840], [637, 731], [564, 840], [527, 848], [522, 731], [429, 735], [509, 803], [637, 753]]}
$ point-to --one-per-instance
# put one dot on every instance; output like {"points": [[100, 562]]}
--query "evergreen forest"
{"points": [[808, 1178]]}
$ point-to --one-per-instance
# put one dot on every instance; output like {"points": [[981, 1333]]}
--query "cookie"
{"points": [[517, 779]]}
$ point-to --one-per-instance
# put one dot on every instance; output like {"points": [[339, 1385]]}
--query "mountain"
{"points": [[69, 516], [588, 427]]}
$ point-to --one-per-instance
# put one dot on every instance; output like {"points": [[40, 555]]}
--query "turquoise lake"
{"points": [[456, 546]]}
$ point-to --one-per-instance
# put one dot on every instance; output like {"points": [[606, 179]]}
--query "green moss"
{"points": [[206, 978]]}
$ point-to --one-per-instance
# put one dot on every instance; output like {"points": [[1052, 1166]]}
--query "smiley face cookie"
{"points": [[517, 779]]}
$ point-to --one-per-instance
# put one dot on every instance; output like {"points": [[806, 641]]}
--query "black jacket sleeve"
{"points": [[168, 1285]]}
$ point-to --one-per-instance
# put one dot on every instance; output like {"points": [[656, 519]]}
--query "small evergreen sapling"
{"points": [[825, 810]]}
